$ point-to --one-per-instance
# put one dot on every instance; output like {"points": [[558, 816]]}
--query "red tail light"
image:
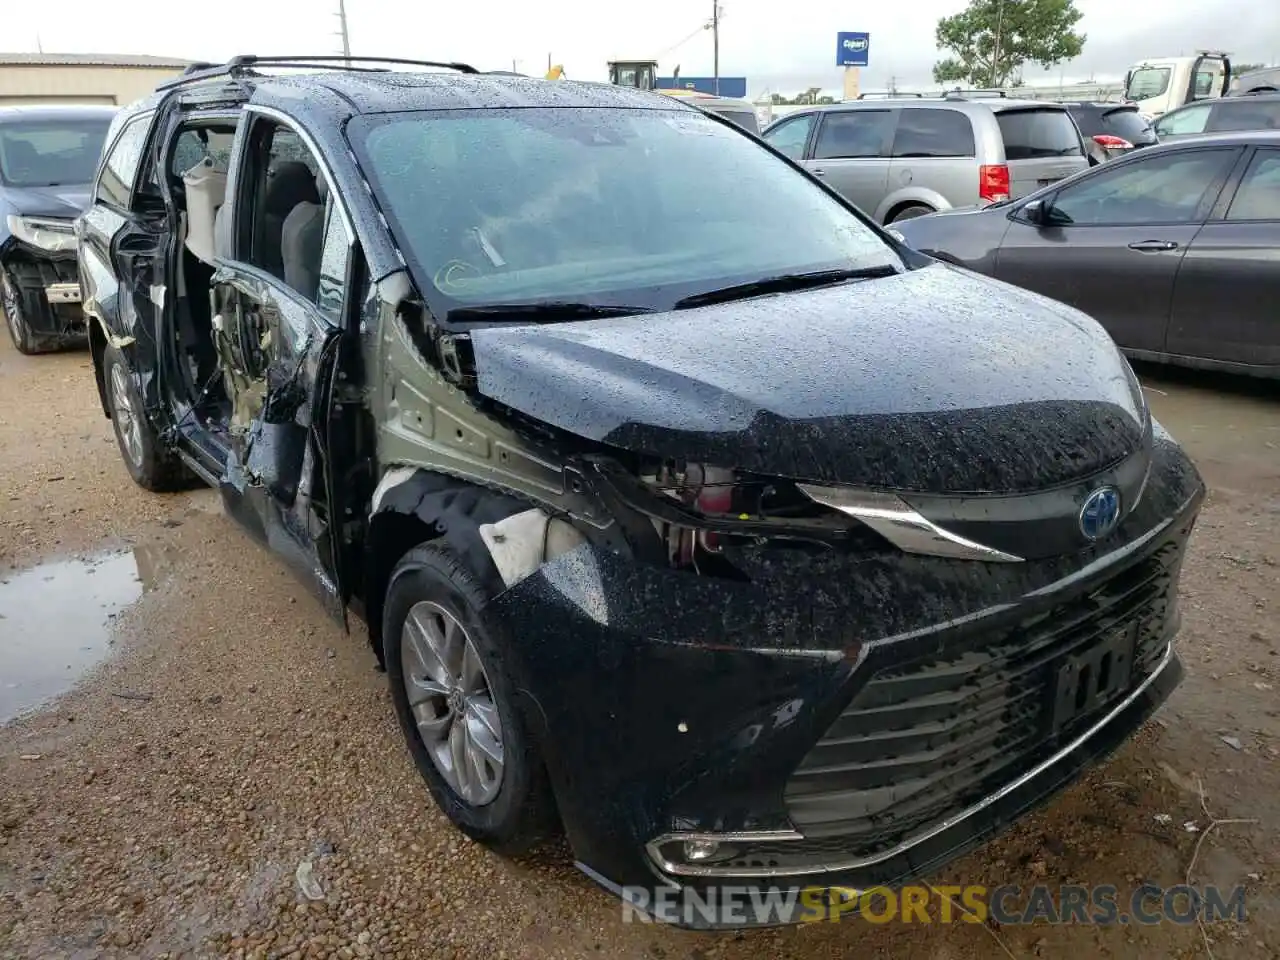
{"points": [[993, 182], [1112, 143]]}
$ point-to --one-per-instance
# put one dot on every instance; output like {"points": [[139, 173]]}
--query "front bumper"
{"points": [[837, 721], [48, 285]]}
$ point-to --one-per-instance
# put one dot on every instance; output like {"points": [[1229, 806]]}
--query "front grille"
{"points": [[923, 740]]}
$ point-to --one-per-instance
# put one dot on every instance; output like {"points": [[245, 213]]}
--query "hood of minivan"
{"points": [[936, 380], [64, 201]]}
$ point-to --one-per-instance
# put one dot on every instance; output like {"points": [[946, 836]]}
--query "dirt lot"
{"points": [[162, 807]]}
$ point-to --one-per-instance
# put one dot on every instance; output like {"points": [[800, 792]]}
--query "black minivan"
{"points": [[687, 510]]}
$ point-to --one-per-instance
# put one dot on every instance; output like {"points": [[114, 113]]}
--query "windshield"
{"points": [[606, 206], [47, 153], [1147, 82]]}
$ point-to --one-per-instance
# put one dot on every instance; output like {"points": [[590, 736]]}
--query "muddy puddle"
{"points": [[56, 622]]}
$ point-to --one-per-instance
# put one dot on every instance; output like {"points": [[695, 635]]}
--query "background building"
{"points": [[38, 78]]}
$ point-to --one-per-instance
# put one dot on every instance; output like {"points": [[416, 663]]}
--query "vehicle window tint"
{"points": [[790, 136], [1244, 114], [1258, 197], [195, 147], [283, 209], [333, 262], [1185, 121], [1148, 82], [115, 183], [1161, 189], [846, 134], [1129, 124], [1037, 134], [746, 120], [933, 133]]}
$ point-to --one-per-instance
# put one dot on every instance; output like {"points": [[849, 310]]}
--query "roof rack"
{"points": [[888, 95], [243, 66], [959, 94]]}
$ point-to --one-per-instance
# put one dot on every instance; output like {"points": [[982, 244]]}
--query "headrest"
{"points": [[290, 184]]}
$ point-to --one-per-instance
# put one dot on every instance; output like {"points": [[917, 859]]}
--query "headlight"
{"points": [[45, 233]]}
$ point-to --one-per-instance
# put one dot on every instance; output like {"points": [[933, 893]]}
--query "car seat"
{"points": [[302, 241], [290, 184]]}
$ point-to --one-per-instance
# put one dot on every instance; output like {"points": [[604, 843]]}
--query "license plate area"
{"points": [[1089, 680]]}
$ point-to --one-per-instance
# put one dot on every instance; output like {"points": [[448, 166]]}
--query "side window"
{"points": [[790, 136], [1163, 189], [850, 134], [115, 183], [334, 254], [1179, 122], [1243, 114], [282, 208], [1258, 197], [933, 133]]}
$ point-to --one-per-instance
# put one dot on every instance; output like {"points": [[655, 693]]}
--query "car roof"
{"points": [[994, 104], [1246, 97], [1096, 105], [385, 92], [1264, 138], [57, 111]]}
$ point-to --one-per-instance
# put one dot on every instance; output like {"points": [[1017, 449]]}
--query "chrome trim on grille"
{"points": [[859, 862], [902, 526], [739, 836]]}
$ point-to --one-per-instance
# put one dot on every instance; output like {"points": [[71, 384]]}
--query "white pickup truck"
{"points": [[1162, 83]]}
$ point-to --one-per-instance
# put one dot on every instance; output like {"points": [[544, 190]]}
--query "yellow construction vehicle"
{"points": [[641, 74]]}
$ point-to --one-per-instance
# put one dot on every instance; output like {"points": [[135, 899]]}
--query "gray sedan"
{"points": [[1175, 250]]}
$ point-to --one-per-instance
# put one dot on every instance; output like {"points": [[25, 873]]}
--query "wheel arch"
{"points": [[412, 506]]}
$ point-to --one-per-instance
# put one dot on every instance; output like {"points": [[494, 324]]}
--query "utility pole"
{"points": [[995, 59], [342, 31], [715, 39]]}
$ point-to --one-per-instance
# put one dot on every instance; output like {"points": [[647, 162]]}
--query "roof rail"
{"points": [[962, 94], [888, 95], [242, 66]]}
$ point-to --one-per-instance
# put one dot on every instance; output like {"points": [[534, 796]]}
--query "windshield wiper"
{"points": [[783, 283], [545, 311]]}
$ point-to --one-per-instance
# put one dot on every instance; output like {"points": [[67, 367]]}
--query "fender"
{"points": [[501, 537]]}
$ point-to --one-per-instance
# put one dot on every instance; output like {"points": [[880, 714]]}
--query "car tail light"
{"points": [[993, 182], [1109, 142]]}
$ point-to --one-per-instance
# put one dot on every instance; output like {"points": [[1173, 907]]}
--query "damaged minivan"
{"points": [[48, 155], [687, 511]]}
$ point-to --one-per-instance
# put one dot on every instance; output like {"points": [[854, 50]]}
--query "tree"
{"points": [[1239, 68], [992, 39]]}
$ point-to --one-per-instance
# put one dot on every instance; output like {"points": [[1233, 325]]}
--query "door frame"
{"points": [[332, 351]]}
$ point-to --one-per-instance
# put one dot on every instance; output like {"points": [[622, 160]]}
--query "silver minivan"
{"points": [[901, 158]]}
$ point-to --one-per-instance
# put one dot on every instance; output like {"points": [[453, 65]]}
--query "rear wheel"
{"points": [[149, 462], [15, 319], [455, 698], [910, 212]]}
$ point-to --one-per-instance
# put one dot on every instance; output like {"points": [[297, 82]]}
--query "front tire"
{"points": [[15, 319], [455, 698], [149, 462]]}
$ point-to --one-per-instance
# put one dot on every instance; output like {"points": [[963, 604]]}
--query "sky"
{"points": [[780, 48]]}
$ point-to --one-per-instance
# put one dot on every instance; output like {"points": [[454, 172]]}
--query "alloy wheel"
{"points": [[12, 308], [126, 417], [452, 702]]}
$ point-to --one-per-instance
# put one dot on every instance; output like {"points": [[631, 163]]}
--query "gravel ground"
{"points": [[163, 807]]}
